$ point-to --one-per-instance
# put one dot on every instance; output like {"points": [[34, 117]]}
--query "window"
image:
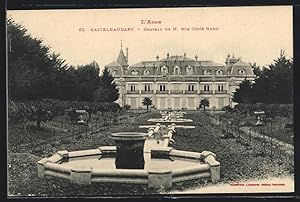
{"points": [[134, 72], [162, 87], [114, 72], [220, 87], [132, 87], [176, 70], [206, 87], [242, 71], [146, 72], [147, 87], [219, 72], [207, 72], [189, 70], [191, 87], [164, 70]]}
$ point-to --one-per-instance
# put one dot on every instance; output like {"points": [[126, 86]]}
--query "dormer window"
{"points": [[114, 72], [242, 71], [134, 72], [164, 70], [207, 72], [176, 70], [146, 72], [189, 70], [219, 72]]}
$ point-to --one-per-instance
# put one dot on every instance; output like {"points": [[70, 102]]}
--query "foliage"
{"points": [[273, 85], [88, 80], [35, 72], [107, 90], [39, 111], [32, 68], [204, 103], [244, 93], [126, 107], [147, 102], [228, 109], [45, 109], [271, 110], [17, 112], [73, 115]]}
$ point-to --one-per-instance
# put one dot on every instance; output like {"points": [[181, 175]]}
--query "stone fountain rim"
{"points": [[129, 136]]}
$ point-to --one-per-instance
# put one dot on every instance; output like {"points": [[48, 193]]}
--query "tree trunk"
{"points": [[203, 108], [147, 108]]}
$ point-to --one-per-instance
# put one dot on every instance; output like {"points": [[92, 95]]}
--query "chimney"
{"points": [[127, 54], [196, 57], [168, 55], [157, 58], [227, 62], [184, 55]]}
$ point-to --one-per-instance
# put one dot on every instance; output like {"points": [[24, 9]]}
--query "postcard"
{"points": [[150, 101]]}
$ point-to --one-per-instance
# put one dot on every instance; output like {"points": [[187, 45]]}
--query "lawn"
{"points": [[28, 145], [278, 129]]}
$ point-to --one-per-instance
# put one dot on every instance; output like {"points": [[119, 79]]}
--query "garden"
{"points": [[28, 144]]}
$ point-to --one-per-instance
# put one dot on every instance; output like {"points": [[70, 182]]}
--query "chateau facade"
{"points": [[178, 82]]}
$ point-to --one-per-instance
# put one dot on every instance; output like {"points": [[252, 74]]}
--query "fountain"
{"points": [[131, 145], [138, 158], [171, 117]]}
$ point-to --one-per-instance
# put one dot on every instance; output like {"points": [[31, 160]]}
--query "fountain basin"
{"points": [[130, 149], [163, 167], [161, 121]]}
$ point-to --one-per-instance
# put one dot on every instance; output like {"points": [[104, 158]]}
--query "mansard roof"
{"points": [[177, 58], [241, 65], [144, 64], [198, 66], [114, 64], [209, 63]]}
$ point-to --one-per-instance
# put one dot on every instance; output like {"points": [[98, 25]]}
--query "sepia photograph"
{"points": [[150, 101]]}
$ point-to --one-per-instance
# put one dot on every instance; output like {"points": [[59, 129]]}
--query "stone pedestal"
{"points": [[130, 150]]}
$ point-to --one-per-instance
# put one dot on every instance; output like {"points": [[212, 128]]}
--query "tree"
{"points": [[275, 85], [257, 70], [244, 93], [40, 112], [107, 91], [147, 102], [272, 85], [204, 103], [31, 65], [88, 80]]}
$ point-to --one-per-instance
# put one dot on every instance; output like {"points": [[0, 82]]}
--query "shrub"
{"points": [[39, 111], [17, 112], [228, 108], [126, 107]]}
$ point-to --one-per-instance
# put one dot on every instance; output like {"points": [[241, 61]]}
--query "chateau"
{"points": [[178, 82]]}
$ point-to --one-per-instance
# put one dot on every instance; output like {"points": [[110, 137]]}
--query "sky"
{"points": [[256, 34]]}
